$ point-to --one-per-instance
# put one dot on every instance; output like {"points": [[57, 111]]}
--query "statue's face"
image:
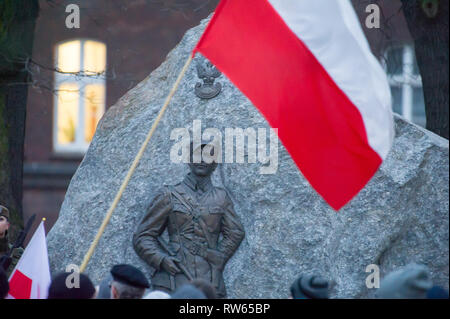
{"points": [[202, 169]]}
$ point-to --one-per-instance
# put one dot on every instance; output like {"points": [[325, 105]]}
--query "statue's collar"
{"points": [[195, 183]]}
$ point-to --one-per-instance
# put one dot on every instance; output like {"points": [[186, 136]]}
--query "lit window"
{"points": [[406, 83], [80, 94]]}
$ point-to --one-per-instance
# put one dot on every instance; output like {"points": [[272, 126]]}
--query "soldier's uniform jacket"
{"points": [[204, 232], [5, 246]]}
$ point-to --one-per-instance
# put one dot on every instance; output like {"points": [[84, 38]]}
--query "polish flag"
{"points": [[308, 68], [31, 277]]}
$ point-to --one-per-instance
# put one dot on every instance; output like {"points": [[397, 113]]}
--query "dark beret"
{"points": [[129, 275]]}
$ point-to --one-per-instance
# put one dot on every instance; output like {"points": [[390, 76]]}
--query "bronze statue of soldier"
{"points": [[204, 231]]}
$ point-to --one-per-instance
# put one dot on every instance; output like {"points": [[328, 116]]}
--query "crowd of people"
{"points": [[127, 282]]}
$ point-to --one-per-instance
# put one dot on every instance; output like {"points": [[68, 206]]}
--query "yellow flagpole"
{"points": [[133, 167]]}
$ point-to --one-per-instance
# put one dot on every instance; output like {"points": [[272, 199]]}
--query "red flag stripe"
{"points": [[20, 285]]}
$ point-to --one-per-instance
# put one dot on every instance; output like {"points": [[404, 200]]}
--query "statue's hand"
{"points": [[169, 265]]}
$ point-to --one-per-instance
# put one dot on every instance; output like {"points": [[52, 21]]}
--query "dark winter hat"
{"points": [[129, 275], [188, 291], [4, 211], [104, 288], [410, 282], [310, 287], [58, 288]]}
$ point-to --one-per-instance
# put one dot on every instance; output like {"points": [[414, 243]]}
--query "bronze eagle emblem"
{"points": [[208, 73]]}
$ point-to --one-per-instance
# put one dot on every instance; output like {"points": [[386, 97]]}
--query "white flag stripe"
{"points": [[335, 38]]}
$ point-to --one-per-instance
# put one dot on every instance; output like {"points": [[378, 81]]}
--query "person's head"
{"points": [[205, 287], [409, 282], [128, 282], [310, 287], [188, 291], [4, 285], [4, 221], [203, 159], [104, 288], [437, 292], [157, 294], [63, 287]]}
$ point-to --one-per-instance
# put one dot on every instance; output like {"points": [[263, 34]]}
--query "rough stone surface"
{"points": [[401, 216]]}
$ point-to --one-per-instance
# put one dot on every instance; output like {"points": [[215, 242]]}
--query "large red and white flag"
{"points": [[30, 278], [306, 65]]}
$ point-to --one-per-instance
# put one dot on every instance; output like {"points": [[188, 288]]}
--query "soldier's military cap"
{"points": [[4, 211], [208, 151], [129, 275]]}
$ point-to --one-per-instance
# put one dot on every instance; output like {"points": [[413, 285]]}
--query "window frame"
{"points": [[79, 146], [407, 81]]}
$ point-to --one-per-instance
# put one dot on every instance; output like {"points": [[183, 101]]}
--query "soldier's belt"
{"points": [[197, 249]]}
